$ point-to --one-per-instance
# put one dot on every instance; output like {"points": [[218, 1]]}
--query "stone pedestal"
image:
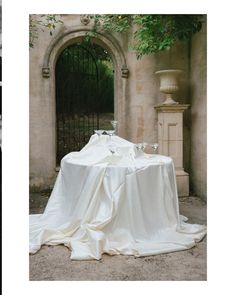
{"points": [[170, 139]]}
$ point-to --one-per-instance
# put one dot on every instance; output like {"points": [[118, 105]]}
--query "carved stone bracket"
{"points": [[46, 72], [124, 72], [85, 19]]}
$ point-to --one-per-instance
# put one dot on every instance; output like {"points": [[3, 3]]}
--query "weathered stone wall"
{"points": [[198, 159], [135, 98], [42, 122]]}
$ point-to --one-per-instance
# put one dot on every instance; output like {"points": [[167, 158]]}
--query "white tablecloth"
{"points": [[119, 202]]}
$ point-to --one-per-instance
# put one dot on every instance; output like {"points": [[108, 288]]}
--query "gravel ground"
{"points": [[52, 263]]}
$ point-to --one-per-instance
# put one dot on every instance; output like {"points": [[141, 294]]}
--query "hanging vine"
{"points": [[41, 22], [153, 33]]}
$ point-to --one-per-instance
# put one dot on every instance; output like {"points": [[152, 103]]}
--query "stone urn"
{"points": [[169, 84]]}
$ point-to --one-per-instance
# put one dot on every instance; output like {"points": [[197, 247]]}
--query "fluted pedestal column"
{"points": [[170, 139]]}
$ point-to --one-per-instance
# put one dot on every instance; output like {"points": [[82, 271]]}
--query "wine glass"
{"points": [[138, 146], [143, 145], [155, 146], [99, 132], [110, 133], [114, 124]]}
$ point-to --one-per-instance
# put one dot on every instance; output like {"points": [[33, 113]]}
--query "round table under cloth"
{"points": [[109, 198]]}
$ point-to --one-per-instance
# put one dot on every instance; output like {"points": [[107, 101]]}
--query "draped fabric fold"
{"points": [[110, 198]]}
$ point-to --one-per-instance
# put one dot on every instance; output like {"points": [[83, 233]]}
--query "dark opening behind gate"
{"points": [[84, 95]]}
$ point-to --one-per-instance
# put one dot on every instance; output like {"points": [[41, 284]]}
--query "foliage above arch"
{"points": [[154, 32], [42, 21]]}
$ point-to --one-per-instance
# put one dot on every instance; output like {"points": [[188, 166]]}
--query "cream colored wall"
{"points": [[198, 160], [42, 122]]}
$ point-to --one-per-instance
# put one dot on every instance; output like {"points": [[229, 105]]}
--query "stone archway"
{"points": [[69, 36]]}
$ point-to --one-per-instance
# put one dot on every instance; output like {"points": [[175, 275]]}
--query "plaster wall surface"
{"points": [[198, 159], [42, 121]]}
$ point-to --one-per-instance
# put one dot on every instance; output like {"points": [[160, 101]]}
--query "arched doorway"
{"points": [[84, 95], [44, 157]]}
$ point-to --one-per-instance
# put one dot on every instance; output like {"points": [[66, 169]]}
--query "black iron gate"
{"points": [[77, 98]]}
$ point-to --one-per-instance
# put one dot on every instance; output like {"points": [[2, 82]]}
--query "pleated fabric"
{"points": [[111, 198]]}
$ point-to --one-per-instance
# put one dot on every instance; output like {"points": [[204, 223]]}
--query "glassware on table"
{"points": [[138, 146], [110, 132], [155, 146], [141, 146], [144, 145], [99, 132], [114, 124]]}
